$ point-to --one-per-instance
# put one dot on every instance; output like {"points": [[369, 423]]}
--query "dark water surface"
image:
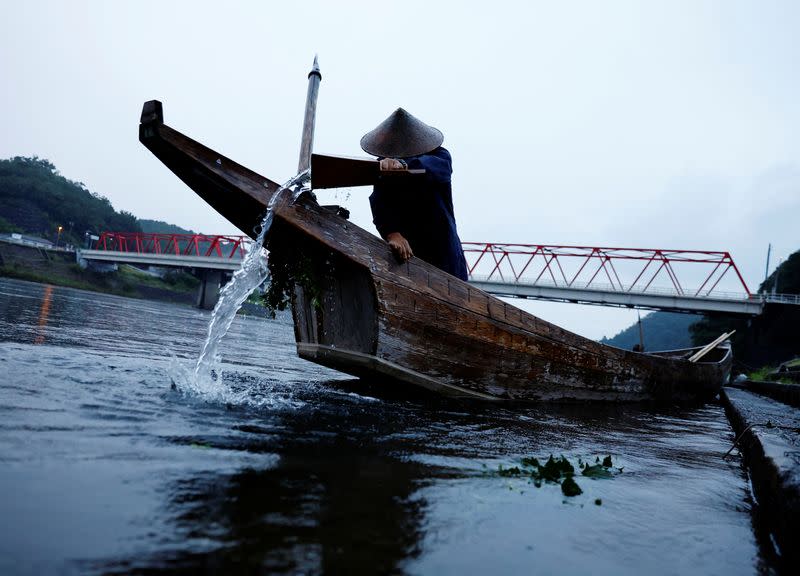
{"points": [[105, 468]]}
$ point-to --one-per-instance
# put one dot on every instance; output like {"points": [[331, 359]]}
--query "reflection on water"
{"points": [[321, 509], [105, 469], [44, 313]]}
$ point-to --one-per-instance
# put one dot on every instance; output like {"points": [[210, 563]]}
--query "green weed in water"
{"points": [[560, 471], [570, 488], [555, 469], [602, 469], [508, 472]]}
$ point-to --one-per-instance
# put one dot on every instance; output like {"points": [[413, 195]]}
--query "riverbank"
{"points": [[766, 420], [59, 267]]}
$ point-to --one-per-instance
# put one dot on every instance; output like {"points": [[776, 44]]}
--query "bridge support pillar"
{"points": [[208, 293]]}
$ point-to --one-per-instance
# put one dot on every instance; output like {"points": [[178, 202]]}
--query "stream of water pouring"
{"points": [[206, 379]]}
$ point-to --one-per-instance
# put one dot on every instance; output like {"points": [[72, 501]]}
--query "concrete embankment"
{"points": [[60, 268], [780, 391], [768, 435]]}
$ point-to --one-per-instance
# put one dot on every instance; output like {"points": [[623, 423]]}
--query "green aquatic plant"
{"points": [[598, 469], [532, 462], [560, 471], [555, 469], [569, 487], [290, 265], [508, 472]]}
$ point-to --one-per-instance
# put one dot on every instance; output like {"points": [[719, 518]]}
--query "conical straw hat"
{"points": [[401, 135]]}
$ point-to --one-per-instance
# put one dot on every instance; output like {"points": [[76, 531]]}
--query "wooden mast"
{"points": [[307, 142]]}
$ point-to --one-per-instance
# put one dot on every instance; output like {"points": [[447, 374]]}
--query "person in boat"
{"points": [[414, 212]]}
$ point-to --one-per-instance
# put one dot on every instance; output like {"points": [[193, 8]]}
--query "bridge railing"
{"points": [[632, 270], [781, 298], [232, 247]]}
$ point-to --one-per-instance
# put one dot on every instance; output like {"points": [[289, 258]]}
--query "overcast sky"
{"points": [[644, 124]]}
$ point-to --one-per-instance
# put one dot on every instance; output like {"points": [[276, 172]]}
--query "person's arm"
{"points": [[383, 214], [438, 165]]}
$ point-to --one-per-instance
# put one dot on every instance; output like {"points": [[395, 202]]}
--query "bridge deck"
{"points": [[651, 300], [169, 260]]}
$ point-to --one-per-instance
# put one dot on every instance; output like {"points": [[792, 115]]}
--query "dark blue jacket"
{"points": [[420, 207]]}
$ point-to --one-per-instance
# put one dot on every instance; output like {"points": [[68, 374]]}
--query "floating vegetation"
{"points": [[570, 488], [560, 471], [508, 472], [604, 469]]}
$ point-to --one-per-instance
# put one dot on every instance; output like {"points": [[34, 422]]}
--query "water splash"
{"points": [[240, 387], [207, 379]]}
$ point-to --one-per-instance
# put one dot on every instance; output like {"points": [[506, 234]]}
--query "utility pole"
{"points": [[641, 332], [769, 251], [777, 274]]}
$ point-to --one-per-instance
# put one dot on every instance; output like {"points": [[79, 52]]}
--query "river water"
{"points": [[111, 462]]}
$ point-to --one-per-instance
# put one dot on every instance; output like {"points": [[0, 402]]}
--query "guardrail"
{"points": [[780, 298]]}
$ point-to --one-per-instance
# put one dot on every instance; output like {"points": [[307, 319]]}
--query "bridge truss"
{"points": [[600, 267], [696, 281], [232, 247]]}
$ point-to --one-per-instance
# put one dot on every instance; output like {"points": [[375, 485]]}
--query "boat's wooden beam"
{"points": [[237, 193]]}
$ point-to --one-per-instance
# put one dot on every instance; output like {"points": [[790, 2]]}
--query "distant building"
{"points": [[26, 240]]}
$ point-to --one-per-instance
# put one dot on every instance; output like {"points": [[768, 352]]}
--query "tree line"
{"points": [[36, 199]]}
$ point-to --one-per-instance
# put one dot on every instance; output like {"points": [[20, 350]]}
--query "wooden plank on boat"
{"points": [[347, 360], [705, 350], [345, 172]]}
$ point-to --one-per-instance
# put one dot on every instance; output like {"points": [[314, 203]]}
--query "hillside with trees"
{"points": [[160, 227], [36, 199], [661, 331]]}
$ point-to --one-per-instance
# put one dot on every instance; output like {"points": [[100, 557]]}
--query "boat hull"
{"points": [[369, 315], [419, 325]]}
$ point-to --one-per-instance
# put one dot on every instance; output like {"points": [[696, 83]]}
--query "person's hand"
{"points": [[392, 164], [399, 245]]}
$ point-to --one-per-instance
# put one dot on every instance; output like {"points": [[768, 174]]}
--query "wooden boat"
{"points": [[410, 323]]}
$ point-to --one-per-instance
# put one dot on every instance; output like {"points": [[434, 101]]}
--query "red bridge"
{"points": [[590, 267], [678, 280], [200, 245], [211, 256]]}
